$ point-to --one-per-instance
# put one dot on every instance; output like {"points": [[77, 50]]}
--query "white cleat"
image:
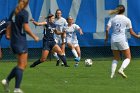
{"points": [[5, 85], [122, 73], [18, 90]]}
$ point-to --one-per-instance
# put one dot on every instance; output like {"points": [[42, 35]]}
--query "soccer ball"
{"points": [[88, 62]]}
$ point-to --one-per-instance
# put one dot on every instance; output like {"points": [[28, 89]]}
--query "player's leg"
{"points": [[116, 54], [22, 63], [17, 73], [78, 50], [42, 59], [125, 63], [55, 54], [58, 50], [126, 51], [71, 46]]}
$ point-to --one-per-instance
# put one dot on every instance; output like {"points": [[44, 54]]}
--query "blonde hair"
{"points": [[119, 10], [21, 5]]}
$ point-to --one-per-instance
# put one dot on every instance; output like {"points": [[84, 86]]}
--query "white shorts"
{"points": [[72, 41], [119, 45]]}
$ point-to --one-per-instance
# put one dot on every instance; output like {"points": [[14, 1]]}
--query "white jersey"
{"points": [[119, 24], [60, 24], [71, 36]]}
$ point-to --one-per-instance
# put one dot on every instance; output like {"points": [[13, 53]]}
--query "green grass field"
{"points": [[47, 78]]}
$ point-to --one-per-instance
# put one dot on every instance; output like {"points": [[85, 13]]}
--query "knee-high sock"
{"points": [[74, 52], [114, 66], [63, 58], [56, 56], [125, 64], [18, 77], [12, 74]]}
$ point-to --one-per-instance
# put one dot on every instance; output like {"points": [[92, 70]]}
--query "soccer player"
{"points": [[71, 39], [3, 26], [49, 41], [120, 23], [60, 23], [16, 32]]}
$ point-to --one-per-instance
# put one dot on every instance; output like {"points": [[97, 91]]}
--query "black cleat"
{"points": [[32, 66], [67, 66], [57, 63]]}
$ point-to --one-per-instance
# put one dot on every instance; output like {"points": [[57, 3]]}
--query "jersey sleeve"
{"points": [[109, 22], [129, 24], [76, 27], [25, 17]]}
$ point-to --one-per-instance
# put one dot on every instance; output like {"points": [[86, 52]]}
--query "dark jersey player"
{"points": [[48, 40]]}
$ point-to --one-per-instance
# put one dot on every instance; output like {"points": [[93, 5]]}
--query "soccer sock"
{"points": [[11, 75], [63, 58], [74, 52], [18, 77], [56, 56], [114, 66], [36, 63], [125, 63]]}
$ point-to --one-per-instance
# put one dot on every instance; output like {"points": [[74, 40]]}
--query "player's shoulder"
{"points": [[62, 18], [24, 12]]}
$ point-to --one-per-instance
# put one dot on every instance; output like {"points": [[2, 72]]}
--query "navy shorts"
{"points": [[19, 48], [48, 45]]}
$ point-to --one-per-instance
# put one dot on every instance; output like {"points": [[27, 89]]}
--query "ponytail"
{"points": [[21, 5], [119, 10]]}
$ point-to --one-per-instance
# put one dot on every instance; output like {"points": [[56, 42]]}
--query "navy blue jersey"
{"points": [[18, 35], [49, 32], [3, 26]]}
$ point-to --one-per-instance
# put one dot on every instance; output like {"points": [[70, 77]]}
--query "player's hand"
{"points": [[36, 38], [32, 20], [138, 36], [81, 33]]}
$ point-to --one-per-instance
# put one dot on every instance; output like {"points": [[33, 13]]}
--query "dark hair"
{"points": [[121, 9], [56, 12], [49, 16], [21, 5]]}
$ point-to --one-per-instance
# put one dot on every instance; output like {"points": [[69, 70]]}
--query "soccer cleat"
{"points": [[57, 63], [32, 66], [67, 66], [122, 73], [76, 65], [5, 85], [77, 59], [18, 90]]}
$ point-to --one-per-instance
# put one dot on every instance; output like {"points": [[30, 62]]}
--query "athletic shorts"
{"points": [[58, 40], [119, 45], [48, 45], [19, 48], [72, 41]]}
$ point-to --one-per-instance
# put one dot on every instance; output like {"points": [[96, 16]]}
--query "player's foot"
{"points": [[122, 73], [57, 63], [5, 85], [76, 65], [18, 90], [32, 65], [77, 59], [67, 66]]}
